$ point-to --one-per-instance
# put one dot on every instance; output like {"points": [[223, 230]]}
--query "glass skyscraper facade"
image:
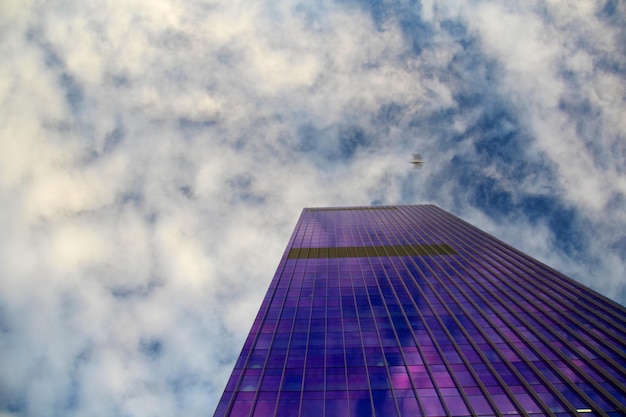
{"points": [[410, 311]]}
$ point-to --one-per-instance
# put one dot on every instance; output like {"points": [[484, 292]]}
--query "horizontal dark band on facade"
{"points": [[370, 251], [351, 208]]}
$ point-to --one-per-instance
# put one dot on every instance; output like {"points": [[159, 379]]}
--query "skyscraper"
{"points": [[409, 311]]}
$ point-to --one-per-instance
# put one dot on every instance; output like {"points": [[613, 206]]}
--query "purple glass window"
{"points": [[352, 326]]}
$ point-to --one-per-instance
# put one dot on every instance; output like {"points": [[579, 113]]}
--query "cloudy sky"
{"points": [[156, 154]]}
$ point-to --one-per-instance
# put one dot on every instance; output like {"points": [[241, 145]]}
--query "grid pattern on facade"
{"points": [[484, 331]]}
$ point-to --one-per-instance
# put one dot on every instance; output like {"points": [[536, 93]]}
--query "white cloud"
{"points": [[532, 54], [151, 173]]}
